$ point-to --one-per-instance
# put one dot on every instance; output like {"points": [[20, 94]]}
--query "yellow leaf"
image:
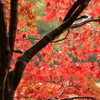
{"points": [[94, 88]]}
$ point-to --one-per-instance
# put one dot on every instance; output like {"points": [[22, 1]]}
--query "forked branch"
{"points": [[28, 54]]}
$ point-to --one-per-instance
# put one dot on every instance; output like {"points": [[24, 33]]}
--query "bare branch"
{"points": [[61, 39], [83, 22], [63, 90], [84, 16], [18, 51]]}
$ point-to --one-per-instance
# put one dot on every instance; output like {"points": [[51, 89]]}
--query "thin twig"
{"points": [[85, 97], [65, 88]]}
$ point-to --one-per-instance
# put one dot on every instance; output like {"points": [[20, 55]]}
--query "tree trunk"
{"points": [[9, 89]]}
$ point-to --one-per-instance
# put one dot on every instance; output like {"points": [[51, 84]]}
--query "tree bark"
{"points": [[4, 51]]}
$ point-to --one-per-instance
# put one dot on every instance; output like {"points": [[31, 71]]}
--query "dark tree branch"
{"points": [[3, 36], [73, 8], [4, 51], [85, 97], [85, 21], [28, 54], [75, 5], [59, 40], [13, 23], [18, 51], [62, 38], [84, 16]]}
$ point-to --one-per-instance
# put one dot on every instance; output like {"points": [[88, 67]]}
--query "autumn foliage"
{"points": [[63, 68]]}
